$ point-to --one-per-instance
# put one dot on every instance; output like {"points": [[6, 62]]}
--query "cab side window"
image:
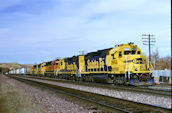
{"points": [[113, 57], [120, 54], [138, 52]]}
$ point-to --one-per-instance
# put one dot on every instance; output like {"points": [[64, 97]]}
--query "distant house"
{"points": [[158, 73], [162, 75]]}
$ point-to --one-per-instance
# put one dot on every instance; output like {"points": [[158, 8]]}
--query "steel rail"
{"points": [[135, 106], [60, 91], [144, 90]]}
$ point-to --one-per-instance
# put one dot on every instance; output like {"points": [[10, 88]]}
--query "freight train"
{"points": [[122, 64]]}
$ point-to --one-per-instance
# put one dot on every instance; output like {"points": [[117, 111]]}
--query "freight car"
{"points": [[123, 64], [23, 71]]}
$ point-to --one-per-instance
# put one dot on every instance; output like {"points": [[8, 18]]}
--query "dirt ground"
{"points": [[13, 100]]}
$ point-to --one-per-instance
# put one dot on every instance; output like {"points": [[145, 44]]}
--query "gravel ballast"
{"points": [[39, 100], [138, 97], [14, 100]]}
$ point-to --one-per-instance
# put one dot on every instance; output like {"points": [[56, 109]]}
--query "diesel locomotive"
{"points": [[122, 64]]}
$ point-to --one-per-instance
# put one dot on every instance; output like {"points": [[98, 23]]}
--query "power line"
{"points": [[149, 41]]}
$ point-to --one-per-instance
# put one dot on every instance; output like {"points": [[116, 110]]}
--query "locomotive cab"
{"points": [[127, 62]]}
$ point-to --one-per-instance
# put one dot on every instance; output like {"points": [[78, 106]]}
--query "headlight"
{"points": [[111, 76], [136, 69]]}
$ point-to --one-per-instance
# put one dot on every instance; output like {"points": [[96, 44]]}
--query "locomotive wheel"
{"points": [[121, 80], [92, 79], [87, 79], [78, 79], [83, 78], [115, 81]]}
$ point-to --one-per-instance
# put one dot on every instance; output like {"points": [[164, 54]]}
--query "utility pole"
{"points": [[148, 41]]}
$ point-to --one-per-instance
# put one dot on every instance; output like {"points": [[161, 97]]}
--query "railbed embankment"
{"points": [[133, 96], [14, 100], [18, 97]]}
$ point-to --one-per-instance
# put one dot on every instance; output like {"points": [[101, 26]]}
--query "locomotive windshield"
{"points": [[129, 52], [139, 61]]}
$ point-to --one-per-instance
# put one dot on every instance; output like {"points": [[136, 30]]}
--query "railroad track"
{"points": [[143, 90], [114, 104]]}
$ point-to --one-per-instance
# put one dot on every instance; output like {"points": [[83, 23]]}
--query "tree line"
{"points": [[160, 63]]}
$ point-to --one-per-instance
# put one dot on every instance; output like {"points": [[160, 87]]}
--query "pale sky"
{"points": [[34, 31]]}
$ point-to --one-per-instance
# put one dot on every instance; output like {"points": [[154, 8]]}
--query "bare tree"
{"points": [[155, 58], [160, 63]]}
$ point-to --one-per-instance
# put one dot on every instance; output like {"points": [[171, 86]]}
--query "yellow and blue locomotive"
{"points": [[122, 64]]}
